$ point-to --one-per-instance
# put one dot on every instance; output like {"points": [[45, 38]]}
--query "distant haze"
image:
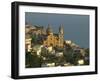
{"points": [[76, 27]]}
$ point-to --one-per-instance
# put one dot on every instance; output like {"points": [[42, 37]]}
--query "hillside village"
{"points": [[45, 48]]}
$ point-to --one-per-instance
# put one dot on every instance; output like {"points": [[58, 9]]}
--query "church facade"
{"points": [[53, 39]]}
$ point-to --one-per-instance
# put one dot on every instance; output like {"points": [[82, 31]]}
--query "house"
{"points": [[37, 49], [28, 44]]}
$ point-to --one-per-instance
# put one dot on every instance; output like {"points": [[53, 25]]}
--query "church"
{"points": [[53, 39], [43, 36]]}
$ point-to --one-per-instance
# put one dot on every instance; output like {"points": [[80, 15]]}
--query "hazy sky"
{"points": [[76, 27]]}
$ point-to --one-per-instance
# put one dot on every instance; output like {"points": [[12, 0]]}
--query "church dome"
{"points": [[49, 29]]}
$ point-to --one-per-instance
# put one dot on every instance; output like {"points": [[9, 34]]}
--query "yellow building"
{"points": [[54, 39], [51, 40]]}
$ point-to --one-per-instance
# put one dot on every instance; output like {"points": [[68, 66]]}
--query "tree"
{"points": [[32, 60], [68, 53], [86, 58], [44, 52], [76, 57], [34, 38]]}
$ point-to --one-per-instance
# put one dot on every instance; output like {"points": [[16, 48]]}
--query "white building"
{"points": [[59, 54], [37, 49], [28, 44], [68, 41]]}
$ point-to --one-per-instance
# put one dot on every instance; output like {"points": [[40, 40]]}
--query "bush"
{"points": [[32, 60]]}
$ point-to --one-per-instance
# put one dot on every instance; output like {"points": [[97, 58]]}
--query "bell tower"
{"points": [[61, 36]]}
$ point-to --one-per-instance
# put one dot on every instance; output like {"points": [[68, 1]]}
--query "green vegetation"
{"points": [[87, 56], [32, 60], [69, 56]]}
